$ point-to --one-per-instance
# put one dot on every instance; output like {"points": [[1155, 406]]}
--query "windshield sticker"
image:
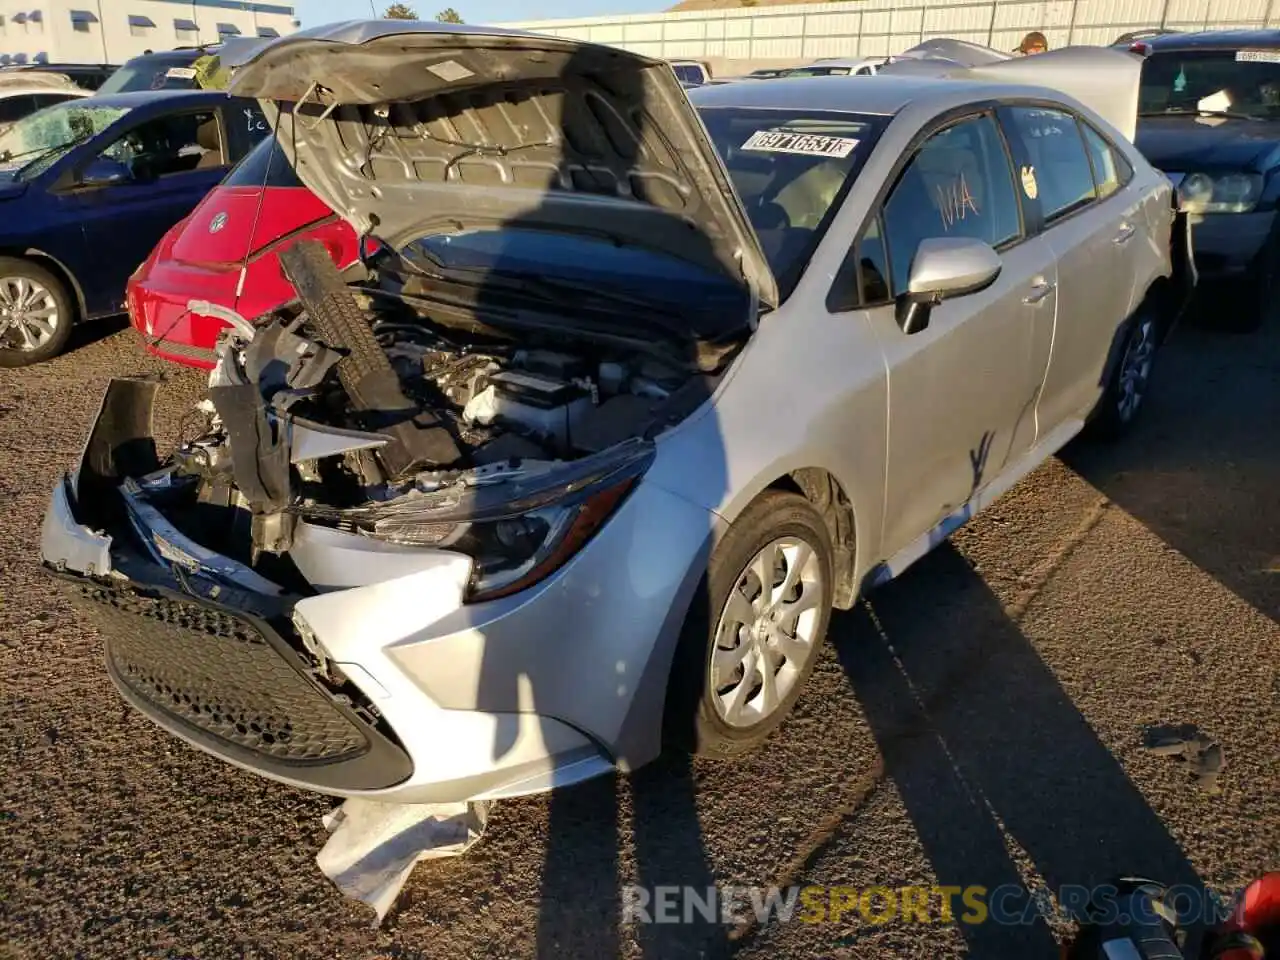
{"points": [[1258, 56], [809, 144], [1029, 185], [181, 73], [956, 202]]}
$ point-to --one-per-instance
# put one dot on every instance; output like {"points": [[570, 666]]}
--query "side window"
{"points": [[170, 145], [1060, 164], [13, 109], [1110, 170], [873, 266], [958, 184]]}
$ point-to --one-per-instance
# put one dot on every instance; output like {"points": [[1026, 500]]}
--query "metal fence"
{"points": [[880, 27]]}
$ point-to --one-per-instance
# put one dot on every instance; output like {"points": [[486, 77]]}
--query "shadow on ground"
{"points": [[1199, 470]]}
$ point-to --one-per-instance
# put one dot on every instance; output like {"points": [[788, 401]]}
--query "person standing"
{"points": [[1034, 42]]}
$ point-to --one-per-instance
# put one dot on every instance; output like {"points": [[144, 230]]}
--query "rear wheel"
{"points": [[753, 635], [36, 313], [1131, 379]]}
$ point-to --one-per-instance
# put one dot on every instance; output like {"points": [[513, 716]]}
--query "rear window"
{"points": [[264, 166]]}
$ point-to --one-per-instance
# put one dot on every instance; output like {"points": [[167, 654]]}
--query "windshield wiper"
{"points": [[1196, 112], [42, 153]]}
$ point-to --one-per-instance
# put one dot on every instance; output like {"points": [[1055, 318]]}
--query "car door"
{"points": [[962, 391], [173, 160], [1089, 221]]}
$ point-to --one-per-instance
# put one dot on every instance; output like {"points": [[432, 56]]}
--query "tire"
{"points": [[1130, 380], [699, 717], [40, 296]]}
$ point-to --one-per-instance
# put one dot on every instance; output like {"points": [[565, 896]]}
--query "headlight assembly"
{"points": [[1223, 193], [519, 527]]}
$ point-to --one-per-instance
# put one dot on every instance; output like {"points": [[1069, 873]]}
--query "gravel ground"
{"points": [[976, 722]]}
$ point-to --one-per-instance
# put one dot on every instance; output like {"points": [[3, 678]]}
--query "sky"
{"points": [[313, 12]]}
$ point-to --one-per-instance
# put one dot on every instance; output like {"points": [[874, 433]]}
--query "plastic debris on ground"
{"points": [[373, 847], [1201, 753]]}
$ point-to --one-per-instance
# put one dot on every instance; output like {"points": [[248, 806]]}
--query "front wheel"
{"points": [[753, 635], [35, 313]]}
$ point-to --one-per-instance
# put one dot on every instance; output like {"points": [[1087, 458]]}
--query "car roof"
{"points": [[880, 95], [175, 98], [1215, 40], [841, 62], [179, 55], [21, 90]]}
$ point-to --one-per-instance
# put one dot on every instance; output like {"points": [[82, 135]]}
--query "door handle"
{"points": [[1039, 290], [1125, 233]]}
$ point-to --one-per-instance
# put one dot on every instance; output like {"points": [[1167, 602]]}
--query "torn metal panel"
{"points": [[373, 847]]}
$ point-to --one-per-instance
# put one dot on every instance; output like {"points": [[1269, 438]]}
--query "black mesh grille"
{"points": [[218, 673]]}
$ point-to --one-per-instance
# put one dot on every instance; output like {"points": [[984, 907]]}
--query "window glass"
{"points": [[958, 184], [264, 166], [1110, 172], [791, 168], [39, 140], [1240, 81], [1060, 165], [15, 108], [170, 145], [873, 265]]}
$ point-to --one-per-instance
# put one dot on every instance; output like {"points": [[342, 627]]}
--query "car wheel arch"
{"points": [[54, 266], [827, 495]]}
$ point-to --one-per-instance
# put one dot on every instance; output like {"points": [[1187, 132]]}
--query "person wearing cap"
{"points": [[1033, 42]]}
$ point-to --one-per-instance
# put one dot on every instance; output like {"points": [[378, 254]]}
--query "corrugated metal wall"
{"points": [[877, 27]]}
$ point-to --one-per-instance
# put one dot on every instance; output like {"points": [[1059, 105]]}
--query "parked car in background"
{"points": [[225, 253], [839, 67], [1135, 36], [90, 76], [692, 73], [1209, 117], [597, 463], [163, 70], [23, 93], [88, 188]]}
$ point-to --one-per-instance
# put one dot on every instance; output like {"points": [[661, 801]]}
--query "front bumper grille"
{"points": [[232, 686]]}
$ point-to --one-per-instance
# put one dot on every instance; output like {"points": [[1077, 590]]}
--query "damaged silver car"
{"points": [[637, 392]]}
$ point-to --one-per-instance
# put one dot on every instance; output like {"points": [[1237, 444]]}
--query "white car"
{"points": [[23, 93]]}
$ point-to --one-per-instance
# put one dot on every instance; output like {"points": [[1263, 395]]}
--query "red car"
{"points": [[240, 226]]}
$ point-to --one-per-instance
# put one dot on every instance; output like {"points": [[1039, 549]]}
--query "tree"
{"points": [[400, 11], [448, 15]]}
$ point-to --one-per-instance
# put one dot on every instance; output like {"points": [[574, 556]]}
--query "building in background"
{"points": [[112, 31]]}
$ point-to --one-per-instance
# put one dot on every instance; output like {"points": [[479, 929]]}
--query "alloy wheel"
{"points": [[29, 315], [766, 632], [1135, 369]]}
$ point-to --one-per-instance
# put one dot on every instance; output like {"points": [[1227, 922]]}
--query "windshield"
{"points": [[139, 75], [792, 171], [1216, 81], [35, 143]]}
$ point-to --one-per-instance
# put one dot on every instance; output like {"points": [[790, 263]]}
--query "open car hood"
{"points": [[1104, 80], [407, 129]]}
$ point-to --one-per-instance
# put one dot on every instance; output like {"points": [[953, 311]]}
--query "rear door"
{"points": [[175, 159], [1090, 218], [962, 391]]}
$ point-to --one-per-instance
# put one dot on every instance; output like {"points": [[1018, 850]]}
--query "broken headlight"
{"points": [[1225, 193], [519, 527]]}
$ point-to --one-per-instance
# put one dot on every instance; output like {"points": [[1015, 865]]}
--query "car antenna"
{"points": [[257, 214]]}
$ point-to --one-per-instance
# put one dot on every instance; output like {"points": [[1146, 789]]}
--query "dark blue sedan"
{"points": [[88, 188]]}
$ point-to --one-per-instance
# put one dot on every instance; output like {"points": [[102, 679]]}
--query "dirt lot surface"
{"points": [[978, 721]]}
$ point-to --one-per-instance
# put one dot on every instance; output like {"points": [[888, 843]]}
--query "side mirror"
{"points": [[103, 172], [944, 267]]}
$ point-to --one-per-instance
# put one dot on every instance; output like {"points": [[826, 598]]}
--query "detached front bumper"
{"points": [[439, 701]]}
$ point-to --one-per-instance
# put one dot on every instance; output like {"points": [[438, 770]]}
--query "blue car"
{"points": [[88, 188]]}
